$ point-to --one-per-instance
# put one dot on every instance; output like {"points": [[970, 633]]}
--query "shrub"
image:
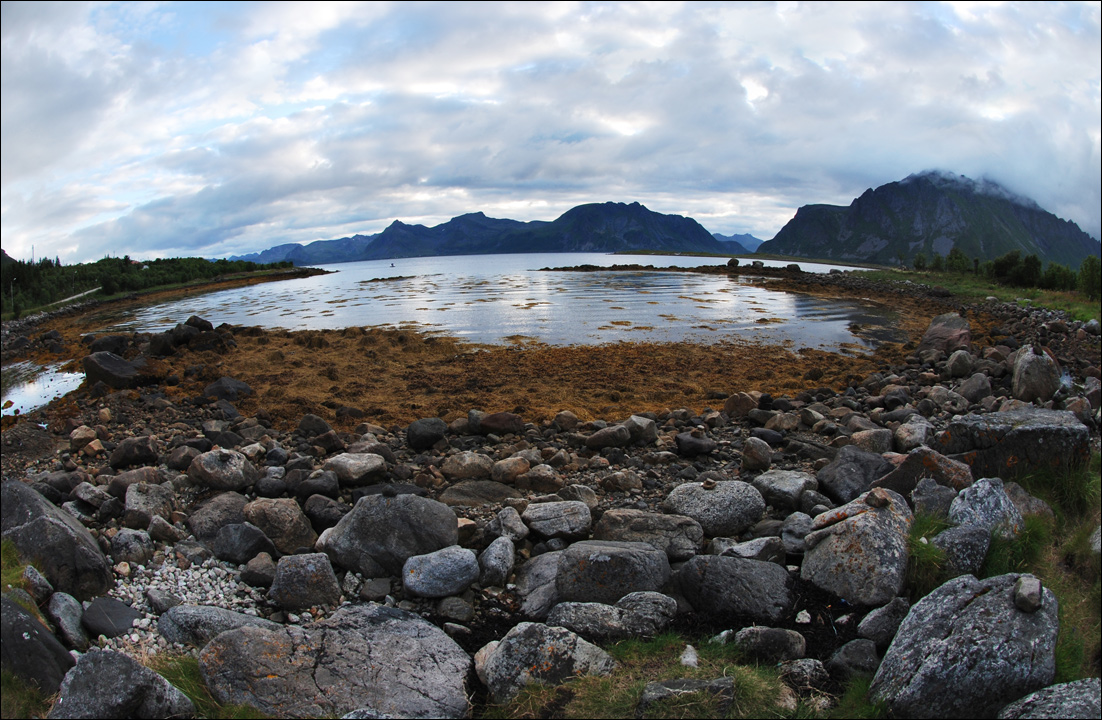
{"points": [[1090, 277]]}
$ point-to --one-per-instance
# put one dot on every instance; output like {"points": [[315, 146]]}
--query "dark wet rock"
{"points": [[922, 462], [324, 512], [240, 542], [311, 426], [29, 650], [423, 434], [857, 657], [678, 536], [303, 581], [109, 617], [965, 650], [161, 601], [713, 584], [540, 654], [723, 509], [382, 532], [496, 562], [975, 388], [114, 371], [694, 443], [611, 436], [448, 571], [769, 645], [199, 624], [605, 571], [1078, 699], [322, 667], [851, 473], [882, 623], [931, 498], [61, 547], [108, 684], [227, 388], [1004, 444], [132, 451], [859, 551], [260, 571], [210, 516], [638, 614]]}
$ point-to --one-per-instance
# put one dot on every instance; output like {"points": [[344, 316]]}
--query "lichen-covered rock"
{"points": [[372, 657], [538, 653], [716, 584], [1079, 699], [723, 509], [923, 462], [638, 614], [223, 470], [605, 571], [965, 650], [302, 581], [448, 571], [851, 473], [859, 551], [987, 505], [1022, 440], [678, 536], [199, 624], [108, 684]]}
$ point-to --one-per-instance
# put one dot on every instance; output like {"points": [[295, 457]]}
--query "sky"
{"points": [[213, 129]]}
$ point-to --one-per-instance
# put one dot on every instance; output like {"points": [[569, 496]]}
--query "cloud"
{"points": [[176, 129]]}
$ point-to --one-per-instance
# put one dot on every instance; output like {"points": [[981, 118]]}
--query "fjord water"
{"points": [[507, 298]]}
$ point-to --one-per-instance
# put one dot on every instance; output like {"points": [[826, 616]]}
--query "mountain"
{"points": [[932, 212], [598, 227], [746, 241]]}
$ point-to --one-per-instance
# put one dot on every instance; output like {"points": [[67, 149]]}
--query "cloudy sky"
{"points": [[161, 129]]}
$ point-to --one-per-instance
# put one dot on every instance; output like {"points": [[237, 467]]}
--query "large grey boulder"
{"points": [[987, 505], [468, 465], [966, 649], [716, 584], [537, 586], [108, 684], [605, 571], [199, 624], [965, 548], [678, 536], [55, 541], [540, 654], [859, 551], [1022, 440], [638, 614], [423, 434], [569, 519], [210, 516], [144, 501], [1035, 376], [282, 520], [723, 509], [382, 532], [29, 650], [851, 473], [1079, 699], [783, 488], [109, 368], [923, 462], [947, 333], [364, 657], [496, 562], [223, 470], [448, 571]]}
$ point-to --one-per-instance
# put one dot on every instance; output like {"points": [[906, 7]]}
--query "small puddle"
{"points": [[25, 386]]}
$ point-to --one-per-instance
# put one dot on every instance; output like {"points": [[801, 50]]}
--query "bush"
{"points": [[957, 261], [1090, 277], [919, 262]]}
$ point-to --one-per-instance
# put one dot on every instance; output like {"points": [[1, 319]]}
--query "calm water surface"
{"points": [[506, 298]]}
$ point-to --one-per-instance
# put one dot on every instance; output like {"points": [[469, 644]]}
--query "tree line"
{"points": [[27, 285], [1025, 272]]}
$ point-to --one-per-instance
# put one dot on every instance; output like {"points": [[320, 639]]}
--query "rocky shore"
{"points": [[401, 570]]}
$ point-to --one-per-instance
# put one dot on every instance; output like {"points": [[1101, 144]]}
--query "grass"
{"points": [[20, 699], [926, 568], [183, 672]]}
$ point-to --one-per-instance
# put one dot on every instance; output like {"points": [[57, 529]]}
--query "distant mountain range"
{"points": [[932, 212], [603, 227], [742, 244]]}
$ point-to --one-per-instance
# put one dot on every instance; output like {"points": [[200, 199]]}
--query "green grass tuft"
{"points": [[20, 699], [1018, 554], [855, 703], [926, 567], [183, 672]]}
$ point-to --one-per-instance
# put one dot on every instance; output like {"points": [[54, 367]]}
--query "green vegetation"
{"points": [[21, 700], [926, 567], [183, 672], [28, 286]]}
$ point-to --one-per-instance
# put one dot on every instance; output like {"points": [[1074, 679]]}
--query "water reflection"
{"points": [[26, 386], [495, 299]]}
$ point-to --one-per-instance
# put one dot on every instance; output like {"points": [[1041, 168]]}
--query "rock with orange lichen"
{"points": [[364, 657], [859, 551]]}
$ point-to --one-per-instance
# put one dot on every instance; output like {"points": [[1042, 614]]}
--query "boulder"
{"points": [[282, 520], [303, 581], [931, 498], [678, 536], [114, 371], [882, 623], [223, 470], [210, 516], [611, 436], [540, 654], [29, 650], [783, 488], [108, 617], [1078, 699], [922, 462], [694, 443], [108, 684], [723, 509], [57, 543], [131, 546], [716, 584], [1036, 377], [855, 658], [382, 532], [145, 501], [605, 571], [947, 333], [199, 624], [987, 505], [467, 465], [356, 469], [756, 454], [65, 611], [568, 519], [496, 562], [501, 423], [859, 551], [851, 473], [477, 493], [965, 650], [1021, 440], [366, 657], [448, 571], [637, 614], [769, 645], [423, 434], [241, 542], [141, 450], [508, 470]]}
